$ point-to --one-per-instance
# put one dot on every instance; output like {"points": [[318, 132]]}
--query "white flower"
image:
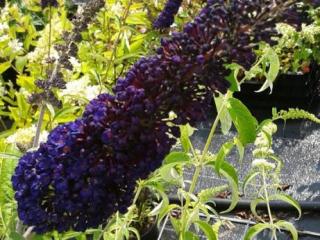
{"points": [[80, 88], [285, 29], [117, 9], [15, 45], [4, 38], [263, 163], [24, 136], [75, 63], [4, 27], [309, 32], [92, 92]]}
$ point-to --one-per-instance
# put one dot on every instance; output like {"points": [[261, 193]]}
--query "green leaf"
{"points": [[255, 230], [65, 114], [289, 227], [248, 179], [229, 172], [216, 227], [240, 148], [273, 61], [26, 82], [253, 206], [170, 174], [4, 66], [206, 194], [189, 236], [243, 120], [177, 157], [16, 236], [224, 117], [23, 106], [222, 154], [10, 155], [70, 235], [20, 63], [158, 208], [186, 131], [233, 77], [135, 232], [165, 211], [288, 199], [207, 229]]}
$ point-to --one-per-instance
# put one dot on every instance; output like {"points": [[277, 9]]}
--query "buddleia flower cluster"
{"points": [[88, 168], [166, 17]]}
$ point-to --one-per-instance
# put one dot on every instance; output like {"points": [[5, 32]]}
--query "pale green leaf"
{"points": [[253, 206], [229, 172], [207, 230], [189, 236], [288, 199], [177, 157], [240, 148], [273, 61], [222, 154], [4, 66], [250, 177], [224, 117], [255, 230], [289, 227]]}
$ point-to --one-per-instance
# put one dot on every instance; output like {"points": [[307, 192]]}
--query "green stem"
{"points": [[116, 43], [200, 162], [39, 125], [266, 196], [3, 124], [207, 146]]}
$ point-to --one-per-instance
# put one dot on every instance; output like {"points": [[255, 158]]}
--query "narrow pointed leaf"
{"points": [[230, 174], [289, 227], [207, 230], [250, 177], [288, 199], [222, 154], [253, 206], [255, 230]]}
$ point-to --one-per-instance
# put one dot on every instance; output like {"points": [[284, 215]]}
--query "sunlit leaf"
{"points": [[222, 154], [255, 230], [207, 229], [243, 120], [177, 157], [229, 172]]}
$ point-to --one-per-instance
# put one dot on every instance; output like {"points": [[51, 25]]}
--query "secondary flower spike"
{"points": [[88, 168], [48, 3], [166, 17]]}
